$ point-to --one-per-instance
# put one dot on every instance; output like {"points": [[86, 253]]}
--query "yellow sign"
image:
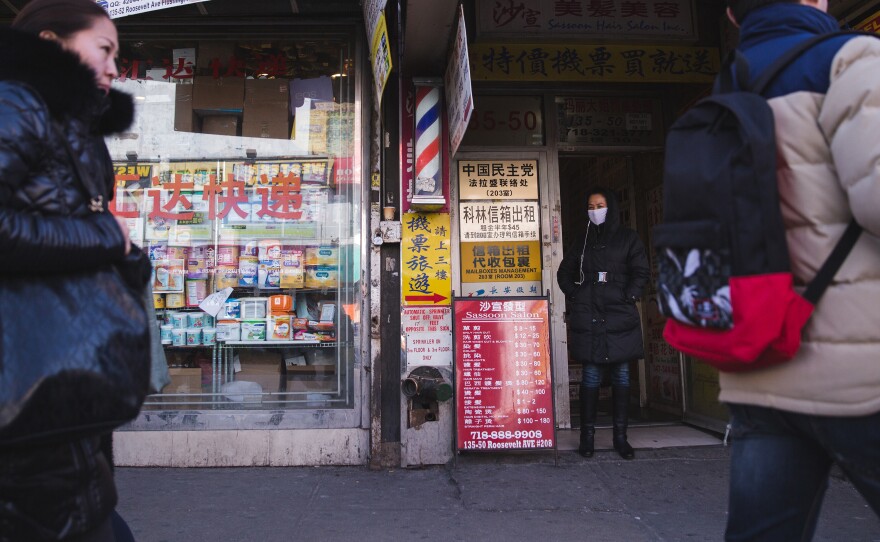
{"points": [[871, 24], [380, 55], [497, 179], [593, 63], [503, 261], [425, 259]]}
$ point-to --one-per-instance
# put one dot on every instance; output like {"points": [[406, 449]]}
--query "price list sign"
{"points": [[503, 384]]}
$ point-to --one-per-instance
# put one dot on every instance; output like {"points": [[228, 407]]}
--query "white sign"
{"points": [[459, 92], [428, 333], [505, 220], [123, 8]]}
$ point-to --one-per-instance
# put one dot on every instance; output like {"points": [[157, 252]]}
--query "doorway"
{"points": [[617, 172]]}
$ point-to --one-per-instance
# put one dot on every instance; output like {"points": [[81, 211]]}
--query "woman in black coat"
{"points": [[56, 106], [602, 276]]}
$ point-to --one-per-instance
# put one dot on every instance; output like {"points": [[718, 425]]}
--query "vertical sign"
{"points": [[503, 384], [380, 52], [425, 257], [459, 92]]}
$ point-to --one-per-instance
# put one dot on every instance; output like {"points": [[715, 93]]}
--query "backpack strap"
{"points": [[826, 273]]}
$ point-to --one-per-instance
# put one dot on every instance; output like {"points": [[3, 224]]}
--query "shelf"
{"points": [[188, 346], [264, 344], [311, 369]]}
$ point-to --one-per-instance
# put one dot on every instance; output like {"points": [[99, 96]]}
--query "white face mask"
{"points": [[597, 216]]}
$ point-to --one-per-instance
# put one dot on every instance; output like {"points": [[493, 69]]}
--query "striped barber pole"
{"points": [[428, 130]]}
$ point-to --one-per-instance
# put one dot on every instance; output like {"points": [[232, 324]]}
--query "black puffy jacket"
{"points": [[603, 322], [47, 226]]}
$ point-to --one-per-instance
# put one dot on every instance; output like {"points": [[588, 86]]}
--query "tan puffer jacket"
{"points": [[829, 171]]}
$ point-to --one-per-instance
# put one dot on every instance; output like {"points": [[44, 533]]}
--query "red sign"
{"points": [[503, 384]]}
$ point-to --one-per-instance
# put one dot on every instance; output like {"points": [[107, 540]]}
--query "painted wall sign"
{"points": [[605, 121], [425, 259], [499, 221], [497, 179], [428, 335], [871, 24], [459, 91], [500, 269], [630, 63], [506, 121], [503, 381], [587, 18]]}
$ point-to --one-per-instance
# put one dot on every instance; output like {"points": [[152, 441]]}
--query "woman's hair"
{"points": [[63, 17]]}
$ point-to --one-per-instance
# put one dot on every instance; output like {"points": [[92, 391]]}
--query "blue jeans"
{"points": [[594, 372], [779, 469]]}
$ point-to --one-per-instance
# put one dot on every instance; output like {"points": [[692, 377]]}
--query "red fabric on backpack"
{"points": [[766, 329]]}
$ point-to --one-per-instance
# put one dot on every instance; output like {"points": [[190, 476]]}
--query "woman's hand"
{"points": [[125, 233]]}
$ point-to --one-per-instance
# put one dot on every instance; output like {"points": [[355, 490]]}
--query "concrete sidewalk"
{"points": [[665, 494]]}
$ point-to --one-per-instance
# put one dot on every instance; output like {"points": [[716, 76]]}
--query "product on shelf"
{"points": [[292, 268], [209, 336], [193, 336], [196, 291], [253, 330], [254, 308], [247, 270], [322, 277], [279, 325], [280, 303], [228, 330], [323, 255], [175, 300]]}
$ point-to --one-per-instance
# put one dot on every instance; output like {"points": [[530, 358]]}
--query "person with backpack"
{"points": [[791, 420], [602, 276]]}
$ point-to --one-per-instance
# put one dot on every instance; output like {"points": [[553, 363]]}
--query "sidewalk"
{"points": [[664, 494]]}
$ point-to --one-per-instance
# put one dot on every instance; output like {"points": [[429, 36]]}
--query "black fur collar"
{"points": [[65, 84]]}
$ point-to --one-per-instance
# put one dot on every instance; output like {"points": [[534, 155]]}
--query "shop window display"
{"points": [[237, 179]]}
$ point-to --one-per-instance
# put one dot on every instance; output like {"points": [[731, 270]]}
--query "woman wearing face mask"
{"points": [[56, 179], [602, 276]]}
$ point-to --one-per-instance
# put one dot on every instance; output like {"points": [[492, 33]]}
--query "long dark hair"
{"points": [[63, 17]]}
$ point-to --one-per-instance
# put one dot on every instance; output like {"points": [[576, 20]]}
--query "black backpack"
{"points": [[723, 264]]}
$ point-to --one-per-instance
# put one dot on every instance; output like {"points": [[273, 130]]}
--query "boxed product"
{"points": [[266, 110], [254, 308], [300, 323], [253, 330], [247, 270], [185, 119], [292, 270], [218, 95], [168, 275], [228, 330], [322, 277], [225, 125], [264, 368], [269, 274], [225, 276], [280, 303], [279, 327], [184, 380], [324, 255]]}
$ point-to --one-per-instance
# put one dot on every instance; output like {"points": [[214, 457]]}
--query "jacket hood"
{"points": [[64, 83], [612, 219]]}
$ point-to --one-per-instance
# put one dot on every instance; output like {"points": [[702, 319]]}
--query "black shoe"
{"points": [[587, 441], [589, 400], [622, 447]]}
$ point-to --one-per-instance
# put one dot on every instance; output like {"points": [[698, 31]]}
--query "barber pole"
{"points": [[429, 178]]}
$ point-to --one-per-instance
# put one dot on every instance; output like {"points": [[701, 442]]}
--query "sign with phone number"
{"points": [[505, 121], [503, 381]]}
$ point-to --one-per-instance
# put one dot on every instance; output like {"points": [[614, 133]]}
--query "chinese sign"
{"points": [[122, 8], [601, 121], [499, 221], [501, 269], [503, 383], [497, 180], [425, 259], [505, 121], [182, 199], [587, 19], [380, 52], [459, 93], [662, 361], [631, 63], [428, 335]]}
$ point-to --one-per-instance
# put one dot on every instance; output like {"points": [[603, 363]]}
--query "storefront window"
{"points": [[239, 177]]}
